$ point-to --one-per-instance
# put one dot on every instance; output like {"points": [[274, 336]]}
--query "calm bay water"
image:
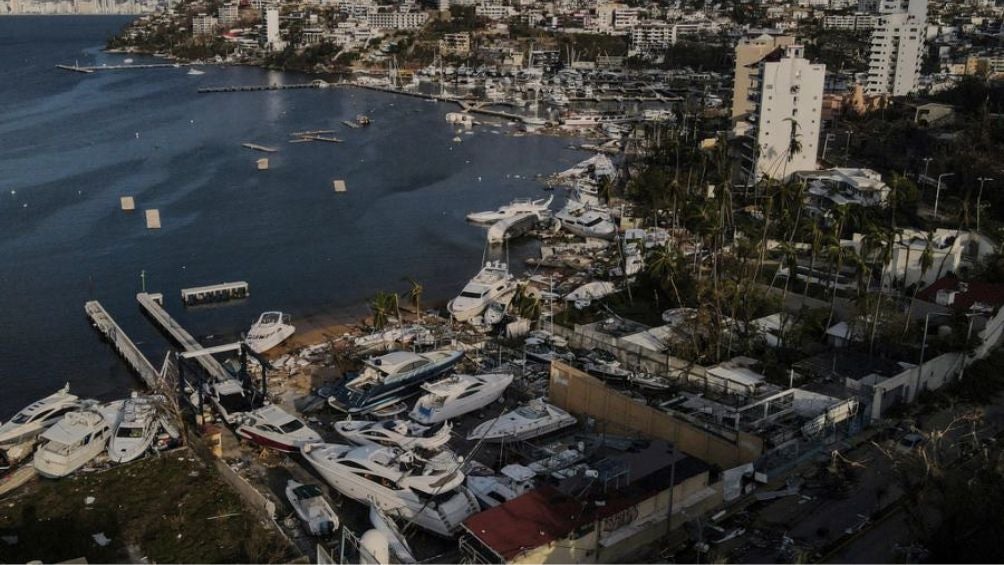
{"points": [[72, 144]]}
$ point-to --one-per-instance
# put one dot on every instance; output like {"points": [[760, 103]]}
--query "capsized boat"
{"points": [[428, 492], [492, 490], [509, 228], [313, 510], [530, 420], [134, 429], [273, 427], [75, 440], [271, 329], [457, 395], [517, 207], [397, 433], [492, 283], [389, 379], [38, 416]]}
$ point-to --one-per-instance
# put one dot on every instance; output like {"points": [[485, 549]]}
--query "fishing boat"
{"points": [[530, 420], [517, 207], [428, 492], [457, 395], [585, 221], [311, 508], [135, 429], [395, 433], [389, 379], [492, 283], [271, 329], [75, 440], [273, 427], [492, 490], [38, 416]]}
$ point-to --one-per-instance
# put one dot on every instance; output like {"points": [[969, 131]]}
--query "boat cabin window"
{"points": [[291, 426], [594, 222], [469, 294], [468, 393], [20, 418], [60, 413], [130, 432]]}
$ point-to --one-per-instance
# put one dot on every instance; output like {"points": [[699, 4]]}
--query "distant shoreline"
{"points": [[82, 15]]}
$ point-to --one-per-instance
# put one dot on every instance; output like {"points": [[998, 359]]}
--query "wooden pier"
{"points": [[215, 293], [75, 69], [122, 344], [156, 312], [265, 87]]}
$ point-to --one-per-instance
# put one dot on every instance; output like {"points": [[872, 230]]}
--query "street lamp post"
{"points": [[937, 192], [847, 148], [979, 198], [826, 143], [927, 164]]}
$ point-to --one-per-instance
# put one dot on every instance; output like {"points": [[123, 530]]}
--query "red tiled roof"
{"points": [[991, 294], [525, 522]]}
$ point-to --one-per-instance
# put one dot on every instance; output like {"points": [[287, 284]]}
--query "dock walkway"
{"points": [[181, 336], [103, 321]]}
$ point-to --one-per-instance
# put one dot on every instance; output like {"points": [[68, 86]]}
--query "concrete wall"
{"points": [[932, 375], [615, 413]]}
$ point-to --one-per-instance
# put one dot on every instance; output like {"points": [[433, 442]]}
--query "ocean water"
{"points": [[72, 144]]}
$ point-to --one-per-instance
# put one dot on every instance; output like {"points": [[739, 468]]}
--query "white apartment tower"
{"points": [[270, 37], [897, 47], [787, 96]]}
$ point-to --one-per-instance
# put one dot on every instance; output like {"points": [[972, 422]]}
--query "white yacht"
{"points": [[530, 420], [591, 119], [427, 492], [271, 329], [510, 228], [492, 283], [75, 440], [272, 427], [38, 416], [394, 433], [398, 544], [608, 370], [388, 379], [517, 207], [313, 510], [457, 395], [492, 490], [587, 222], [134, 430], [195, 72]]}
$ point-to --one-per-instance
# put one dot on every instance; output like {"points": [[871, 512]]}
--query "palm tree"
{"points": [[415, 294], [381, 305], [663, 264]]}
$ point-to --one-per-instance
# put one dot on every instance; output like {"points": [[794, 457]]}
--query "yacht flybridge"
{"points": [[587, 222], [389, 379], [134, 430], [457, 395], [517, 207], [75, 440], [492, 284], [38, 416], [428, 492], [271, 329]]}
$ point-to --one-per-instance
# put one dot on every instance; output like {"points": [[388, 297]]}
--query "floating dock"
{"points": [[262, 148], [122, 344], [183, 338], [153, 219], [339, 185], [128, 203], [215, 293], [91, 69], [75, 69], [262, 164]]}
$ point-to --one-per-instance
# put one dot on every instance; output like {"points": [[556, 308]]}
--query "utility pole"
{"points": [[979, 199], [937, 192], [927, 164]]}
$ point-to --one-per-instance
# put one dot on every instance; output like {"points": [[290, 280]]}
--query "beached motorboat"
{"points": [[492, 490], [311, 508], [271, 329], [590, 291], [608, 371], [457, 395], [428, 492], [649, 381], [273, 427], [509, 228], [389, 379], [396, 541], [587, 222], [530, 420], [231, 400], [75, 440], [134, 430], [492, 284], [395, 433], [518, 207], [38, 416]]}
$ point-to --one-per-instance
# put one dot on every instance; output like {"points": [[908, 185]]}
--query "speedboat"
{"points": [[75, 440], [587, 222], [313, 510], [394, 433], [492, 490], [530, 420], [195, 72], [457, 395], [38, 416], [428, 492], [271, 329], [649, 381], [608, 371], [492, 283], [272, 427], [517, 207], [389, 379], [134, 430]]}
